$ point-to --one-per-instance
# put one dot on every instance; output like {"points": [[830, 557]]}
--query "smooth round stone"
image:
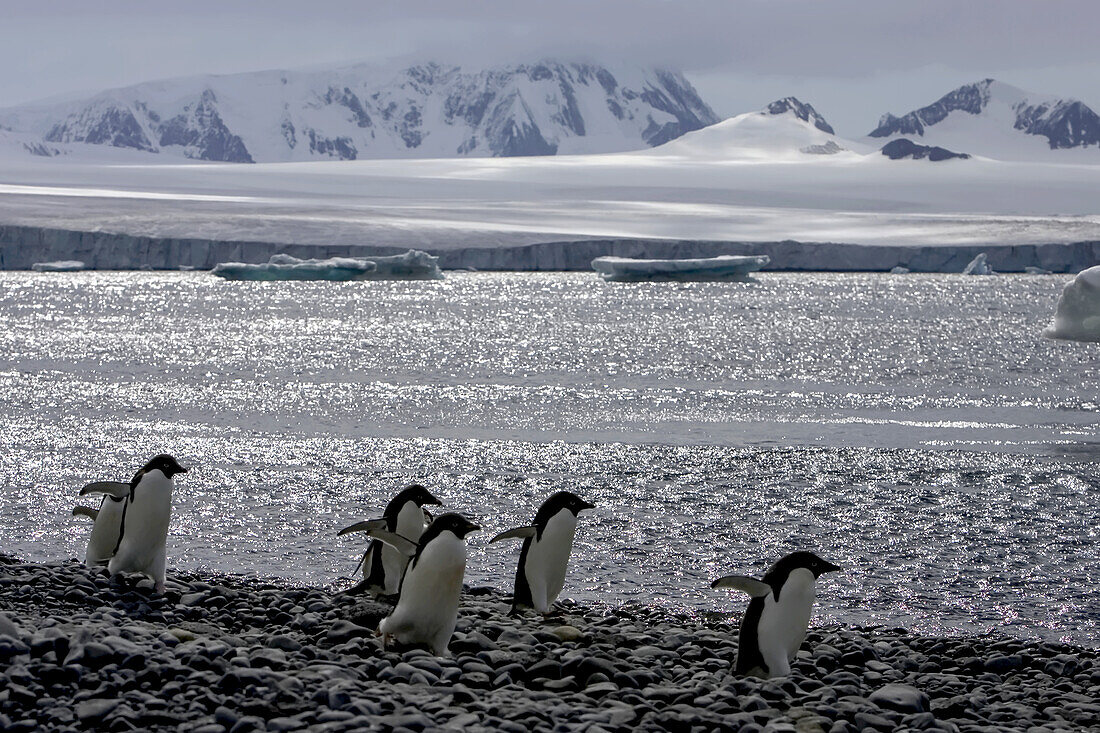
{"points": [[284, 643], [902, 698], [90, 711], [567, 633]]}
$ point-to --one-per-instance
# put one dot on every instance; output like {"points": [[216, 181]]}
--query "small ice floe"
{"points": [[899, 270], [412, 265], [978, 266], [1037, 271], [59, 266], [1078, 314], [726, 267]]}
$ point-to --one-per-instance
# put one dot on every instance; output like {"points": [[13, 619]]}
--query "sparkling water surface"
{"points": [[917, 430]]}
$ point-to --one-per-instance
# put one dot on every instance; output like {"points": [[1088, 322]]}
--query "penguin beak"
{"points": [[587, 505], [829, 567], [471, 527]]}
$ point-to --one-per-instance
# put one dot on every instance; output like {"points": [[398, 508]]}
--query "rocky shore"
{"points": [[81, 652]]}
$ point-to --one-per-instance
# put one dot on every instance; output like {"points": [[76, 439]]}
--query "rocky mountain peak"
{"points": [[1065, 123], [801, 110]]}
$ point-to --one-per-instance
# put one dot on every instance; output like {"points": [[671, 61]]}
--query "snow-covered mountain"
{"points": [[785, 129], [359, 112], [993, 118]]}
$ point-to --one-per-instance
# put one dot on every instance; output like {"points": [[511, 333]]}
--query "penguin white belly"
{"points": [[410, 525], [101, 544], [783, 623], [145, 529], [548, 559], [427, 610]]}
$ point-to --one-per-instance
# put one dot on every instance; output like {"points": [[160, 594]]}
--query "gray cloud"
{"points": [[841, 49]]}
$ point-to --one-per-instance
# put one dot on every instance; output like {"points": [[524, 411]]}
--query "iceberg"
{"points": [[60, 266], [412, 265], [978, 266], [726, 267], [1078, 314], [285, 267]]}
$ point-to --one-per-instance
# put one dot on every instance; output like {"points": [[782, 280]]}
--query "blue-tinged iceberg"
{"points": [[726, 267], [1078, 314], [413, 265], [60, 266]]}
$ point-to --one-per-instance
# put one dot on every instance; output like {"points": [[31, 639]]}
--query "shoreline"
{"points": [[23, 246], [220, 653]]}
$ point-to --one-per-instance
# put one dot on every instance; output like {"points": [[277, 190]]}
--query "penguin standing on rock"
{"points": [[107, 519], [404, 516], [547, 543], [427, 605], [144, 527], [775, 623]]}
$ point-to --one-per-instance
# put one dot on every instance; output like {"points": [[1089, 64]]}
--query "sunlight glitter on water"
{"points": [[715, 425]]}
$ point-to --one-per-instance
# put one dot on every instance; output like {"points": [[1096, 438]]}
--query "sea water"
{"points": [[915, 429]]}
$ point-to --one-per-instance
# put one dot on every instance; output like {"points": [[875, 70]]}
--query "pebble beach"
{"points": [[79, 651]]}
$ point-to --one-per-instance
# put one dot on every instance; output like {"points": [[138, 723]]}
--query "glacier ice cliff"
{"points": [[22, 246]]}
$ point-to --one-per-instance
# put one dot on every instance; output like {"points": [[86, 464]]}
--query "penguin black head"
{"points": [[414, 493], [457, 524], [164, 463], [557, 502], [806, 560]]}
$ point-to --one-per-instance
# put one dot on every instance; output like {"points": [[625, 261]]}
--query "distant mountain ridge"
{"points": [[1065, 123], [354, 112], [544, 108]]}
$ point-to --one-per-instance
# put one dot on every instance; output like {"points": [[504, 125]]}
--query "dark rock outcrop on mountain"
{"points": [[102, 123], [199, 129], [903, 148], [802, 111], [429, 110], [971, 98], [1065, 123]]}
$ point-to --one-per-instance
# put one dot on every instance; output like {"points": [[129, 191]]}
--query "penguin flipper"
{"points": [[117, 489], [752, 586], [404, 546], [517, 533], [85, 511], [365, 526], [363, 560]]}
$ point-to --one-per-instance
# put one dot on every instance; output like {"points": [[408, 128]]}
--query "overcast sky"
{"points": [[852, 59]]}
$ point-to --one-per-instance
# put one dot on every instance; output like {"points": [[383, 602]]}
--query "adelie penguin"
{"points": [[143, 530], [404, 516], [427, 604], [107, 520], [775, 623], [547, 544]]}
